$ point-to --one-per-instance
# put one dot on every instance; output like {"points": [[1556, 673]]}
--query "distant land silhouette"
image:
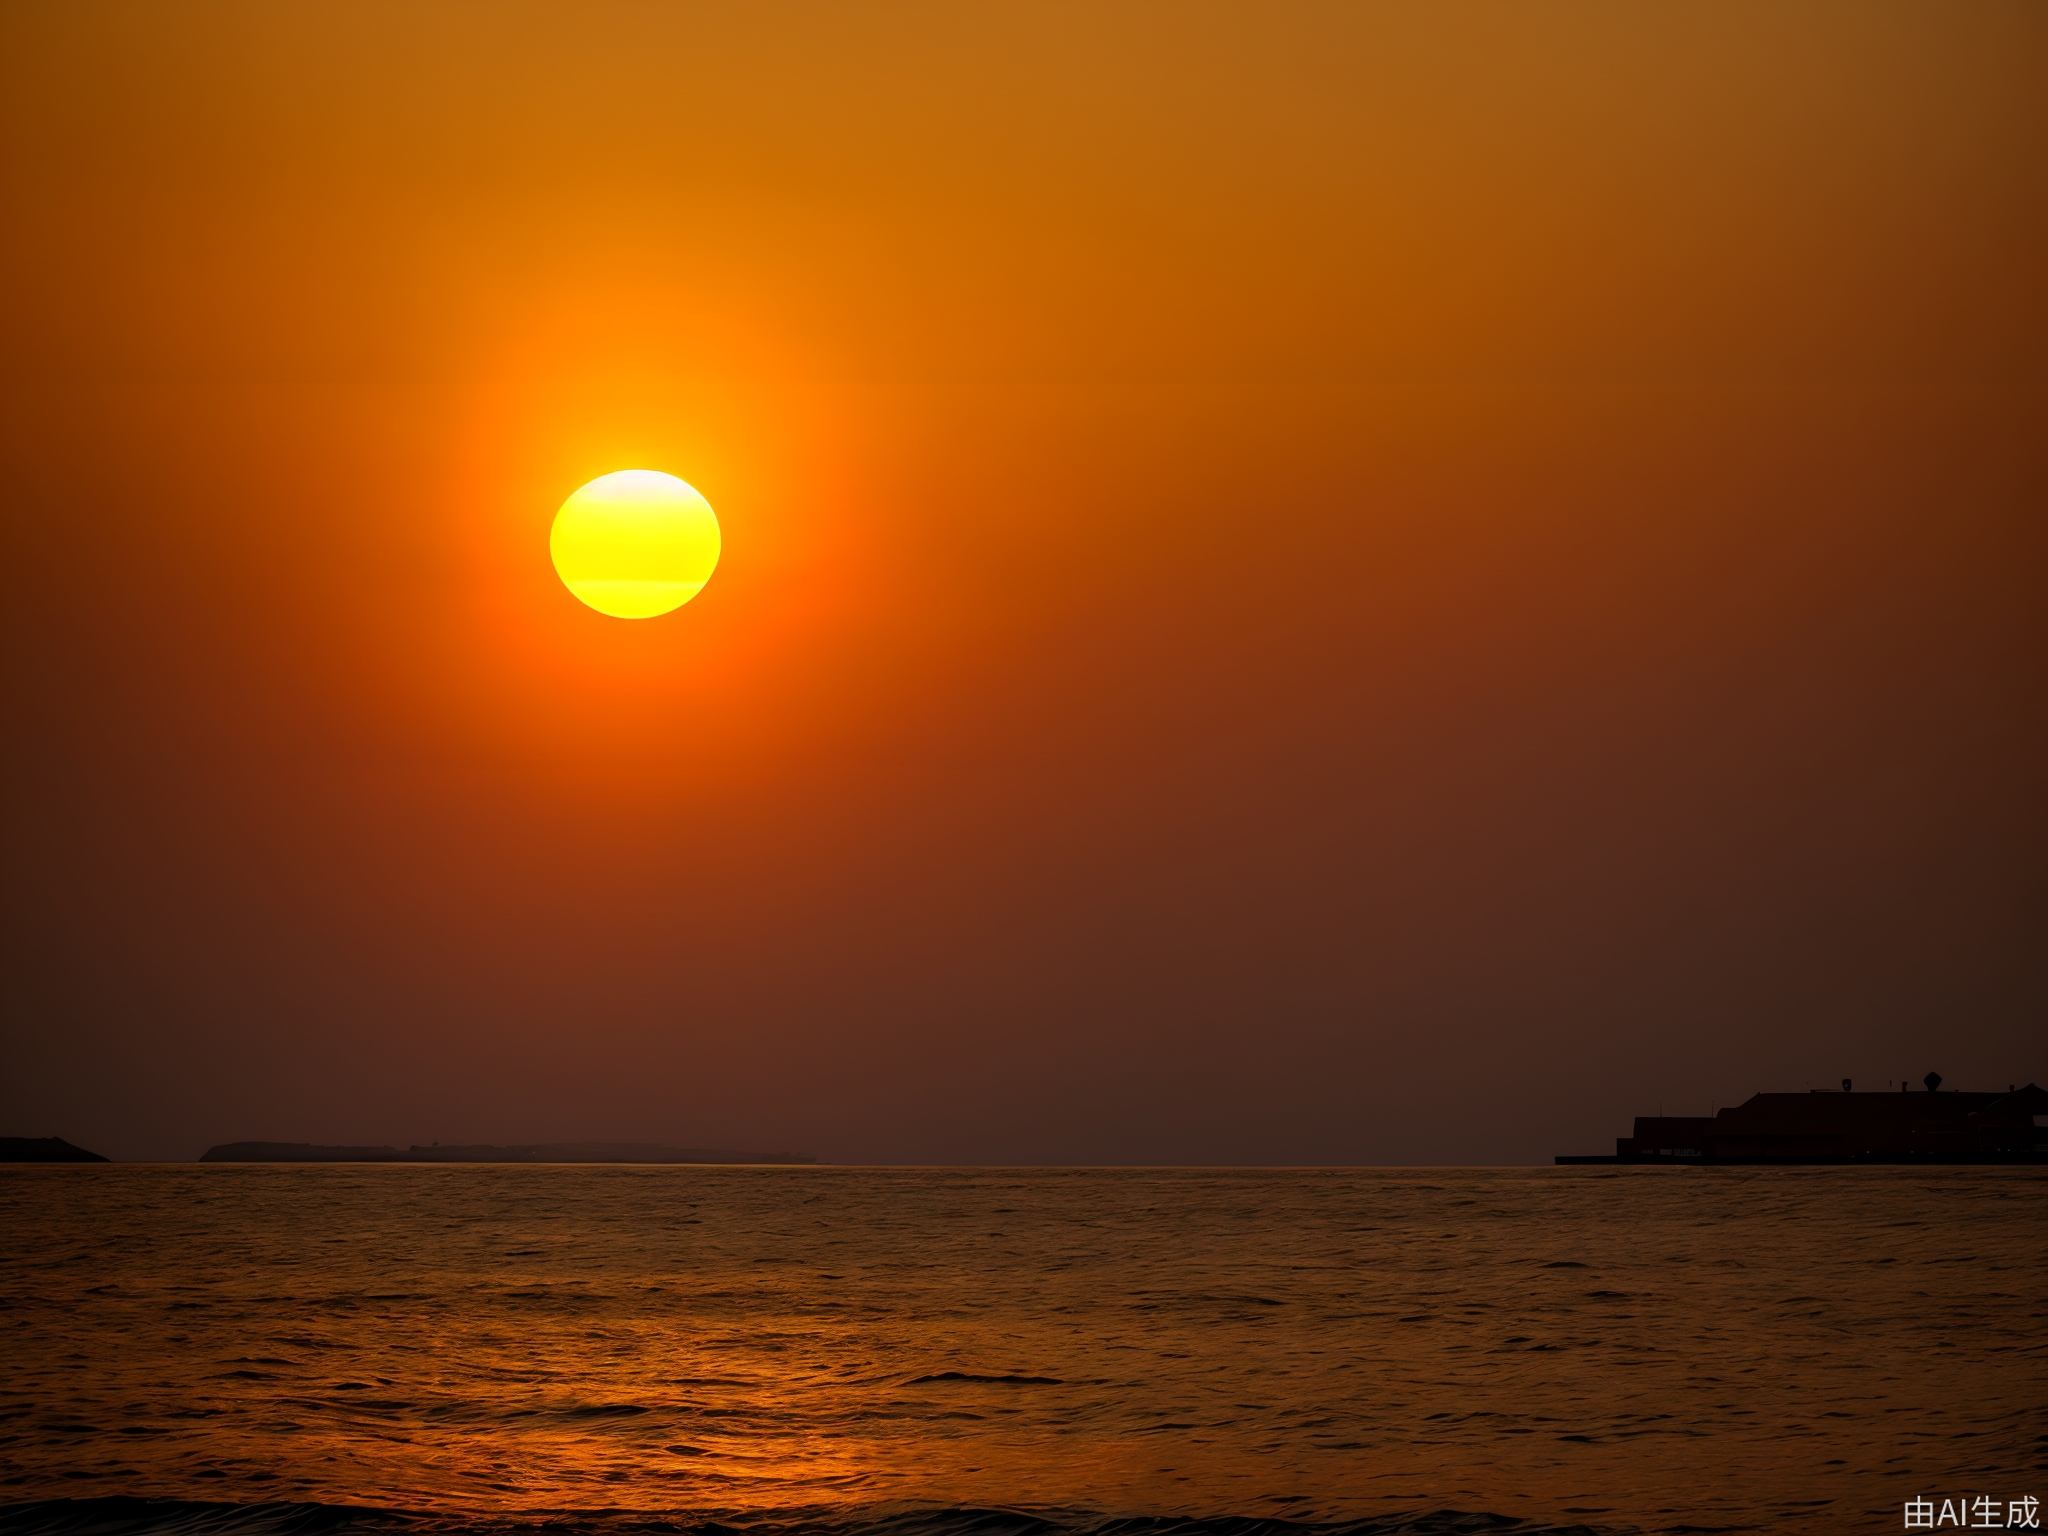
{"points": [[44, 1149], [538, 1152], [1825, 1126]]}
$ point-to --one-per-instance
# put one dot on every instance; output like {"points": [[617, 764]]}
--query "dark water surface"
{"points": [[933, 1352]]}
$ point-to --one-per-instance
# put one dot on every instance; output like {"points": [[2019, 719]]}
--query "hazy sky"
{"points": [[1301, 582]]}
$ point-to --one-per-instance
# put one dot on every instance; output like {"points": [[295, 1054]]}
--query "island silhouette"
{"points": [[44, 1149], [1825, 1126], [483, 1152]]}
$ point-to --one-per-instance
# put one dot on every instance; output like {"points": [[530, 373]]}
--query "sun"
{"points": [[635, 544]]}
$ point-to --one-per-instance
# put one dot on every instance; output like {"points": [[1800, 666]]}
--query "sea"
{"points": [[216, 1349]]}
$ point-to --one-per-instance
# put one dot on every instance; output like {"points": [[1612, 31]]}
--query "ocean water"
{"points": [[1010, 1352]]}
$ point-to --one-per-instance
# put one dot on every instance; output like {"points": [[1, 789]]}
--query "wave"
{"points": [[129, 1516]]}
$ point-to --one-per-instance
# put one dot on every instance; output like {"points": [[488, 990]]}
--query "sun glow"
{"points": [[635, 544]]}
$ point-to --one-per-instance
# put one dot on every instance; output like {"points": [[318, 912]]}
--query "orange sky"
{"points": [[1332, 582]]}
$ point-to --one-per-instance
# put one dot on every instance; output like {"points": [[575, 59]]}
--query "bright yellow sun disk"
{"points": [[635, 544]]}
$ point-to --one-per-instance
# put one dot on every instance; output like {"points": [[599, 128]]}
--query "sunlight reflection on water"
{"points": [[1648, 1348]]}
